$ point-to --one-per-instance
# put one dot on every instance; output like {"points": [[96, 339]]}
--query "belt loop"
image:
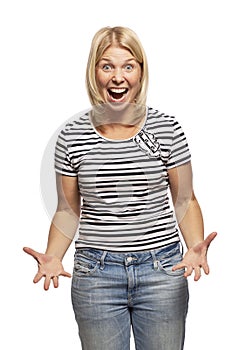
{"points": [[155, 261], [102, 260], [182, 248]]}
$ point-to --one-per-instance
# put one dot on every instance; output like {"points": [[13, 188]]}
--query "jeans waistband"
{"points": [[129, 257]]}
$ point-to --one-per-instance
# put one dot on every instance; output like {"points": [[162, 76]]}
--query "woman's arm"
{"points": [[187, 210], [66, 219], [62, 231], [190, 220]]}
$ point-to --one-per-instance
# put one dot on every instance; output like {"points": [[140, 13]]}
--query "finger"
{"points": [[31, 252], [188, 271], [65, 274], [179, 266], [47, 282], [210, 238], [197, 273], [55, 282], [37, 277], [205, 267]]}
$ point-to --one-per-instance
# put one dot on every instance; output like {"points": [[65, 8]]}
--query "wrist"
{"points": [[193, 244]]}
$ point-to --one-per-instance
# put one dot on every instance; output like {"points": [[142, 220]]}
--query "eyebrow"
{"points": [[109, 59]]}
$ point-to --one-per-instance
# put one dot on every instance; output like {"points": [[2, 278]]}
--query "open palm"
{"points": [[195, 258], [49, 267]]}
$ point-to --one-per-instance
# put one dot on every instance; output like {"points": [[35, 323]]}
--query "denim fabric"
{"points": [[113, 291]]}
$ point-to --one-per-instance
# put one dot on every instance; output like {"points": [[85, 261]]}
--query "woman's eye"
{"points": [[129, 67], [107, 67]]}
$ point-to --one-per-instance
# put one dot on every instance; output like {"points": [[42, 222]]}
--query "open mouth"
{"points": [[117, 94]]}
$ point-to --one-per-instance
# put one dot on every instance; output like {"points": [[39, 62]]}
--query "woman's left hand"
{"points": [[195, 258]]}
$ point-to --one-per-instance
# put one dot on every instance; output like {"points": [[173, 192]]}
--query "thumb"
{"points": [[31, 252], [210, 238]]}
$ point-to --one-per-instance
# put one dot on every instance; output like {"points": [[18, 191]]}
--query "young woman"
{"points": [[114, 168]]}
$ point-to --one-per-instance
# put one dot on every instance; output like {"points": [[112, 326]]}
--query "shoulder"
{"points": [[77, 123], [159, 121], [159, 116], [78, 129]]}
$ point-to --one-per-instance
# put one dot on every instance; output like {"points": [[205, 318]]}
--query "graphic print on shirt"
{"points": [[148, 144]]}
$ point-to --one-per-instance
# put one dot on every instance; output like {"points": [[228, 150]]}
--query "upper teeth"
{"points": [[118, 91]]}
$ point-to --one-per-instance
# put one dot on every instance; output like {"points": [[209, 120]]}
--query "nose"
{"points": [[118, 76]]}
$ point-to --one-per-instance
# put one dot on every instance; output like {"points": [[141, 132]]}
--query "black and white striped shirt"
{"points": [[123, 183]]}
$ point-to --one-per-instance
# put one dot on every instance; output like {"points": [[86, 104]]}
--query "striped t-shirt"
{"points": [[123, 183]]}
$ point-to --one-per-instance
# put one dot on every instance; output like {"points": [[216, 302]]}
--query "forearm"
{"points": [[62, 231], [191, 223]]}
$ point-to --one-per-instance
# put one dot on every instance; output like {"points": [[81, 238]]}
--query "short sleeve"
{"points": [[179, 153], [62, 161]]}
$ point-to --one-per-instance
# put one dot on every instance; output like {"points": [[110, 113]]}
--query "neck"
{"points": [[117, 131], [118, 114]]}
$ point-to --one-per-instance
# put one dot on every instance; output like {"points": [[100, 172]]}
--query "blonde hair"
{"points": [[125, 38]]}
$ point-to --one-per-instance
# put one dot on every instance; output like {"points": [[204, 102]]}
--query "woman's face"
{"points": [[118, 76]]}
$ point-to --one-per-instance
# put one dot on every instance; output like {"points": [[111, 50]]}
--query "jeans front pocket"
{"points": [[168, 258], [84, 263]]}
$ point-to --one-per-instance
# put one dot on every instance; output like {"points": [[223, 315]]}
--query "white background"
{"points": [[44, 49]]}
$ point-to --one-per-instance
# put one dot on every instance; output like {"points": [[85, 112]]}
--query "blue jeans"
{"points": [[113, 291]]}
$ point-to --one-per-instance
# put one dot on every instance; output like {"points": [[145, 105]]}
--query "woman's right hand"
{"points": [[49, 267]]}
